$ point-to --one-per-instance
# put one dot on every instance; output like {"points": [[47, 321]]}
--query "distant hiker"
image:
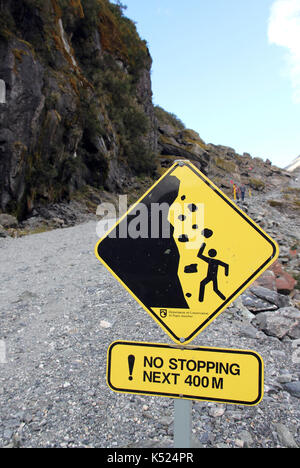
{"points": [[212, 272], [236, 192], [243, 190]]}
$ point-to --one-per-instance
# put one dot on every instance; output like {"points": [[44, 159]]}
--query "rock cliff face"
{"points": [[75, 101]]}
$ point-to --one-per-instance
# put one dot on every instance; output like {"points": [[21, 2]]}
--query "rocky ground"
{"points": [[61, 309]]}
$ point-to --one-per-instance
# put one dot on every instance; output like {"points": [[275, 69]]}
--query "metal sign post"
{"points": [[182, 423]]}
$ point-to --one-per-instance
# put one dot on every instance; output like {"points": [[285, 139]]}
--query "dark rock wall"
{"points": [[75, 74]]}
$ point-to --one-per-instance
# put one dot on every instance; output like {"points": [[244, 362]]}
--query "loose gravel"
{"points": [[61, 309]]}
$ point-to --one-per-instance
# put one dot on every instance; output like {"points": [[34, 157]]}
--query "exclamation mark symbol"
{"points": [[131, 360]]}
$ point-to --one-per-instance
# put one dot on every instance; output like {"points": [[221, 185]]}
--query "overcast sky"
{"points": [[229, 69]]}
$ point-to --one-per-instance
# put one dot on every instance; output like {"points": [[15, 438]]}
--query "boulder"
{"points": [[280, 323], [8, 221], [293, 388], [260, 299], [285, 283], [272, 297], [3, 232], [285, 437], [267, 280], [255, 304]]}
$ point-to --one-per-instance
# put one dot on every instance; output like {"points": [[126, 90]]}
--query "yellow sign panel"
{"points": [[211, 374], [185, 251]]}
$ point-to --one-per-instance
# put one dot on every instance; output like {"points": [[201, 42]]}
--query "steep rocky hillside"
{"points": [[75, 101], [77, 121], [221, 163]]}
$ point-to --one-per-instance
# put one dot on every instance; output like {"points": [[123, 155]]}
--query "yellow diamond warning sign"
{"points": [[211, 374], [185, 251]]}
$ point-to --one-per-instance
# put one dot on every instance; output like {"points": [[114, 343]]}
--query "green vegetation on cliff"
{"points": [[90, 119]]}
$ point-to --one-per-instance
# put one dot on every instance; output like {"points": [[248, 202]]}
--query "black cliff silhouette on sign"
{"points": [[148, 267]]}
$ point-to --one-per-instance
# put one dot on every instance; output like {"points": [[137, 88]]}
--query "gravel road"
{"points": [[61, 309]]}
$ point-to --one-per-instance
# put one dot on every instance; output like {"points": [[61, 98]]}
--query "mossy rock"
{"points": [[257, 184], [276, 203], [168, 118], [228, 166]]}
